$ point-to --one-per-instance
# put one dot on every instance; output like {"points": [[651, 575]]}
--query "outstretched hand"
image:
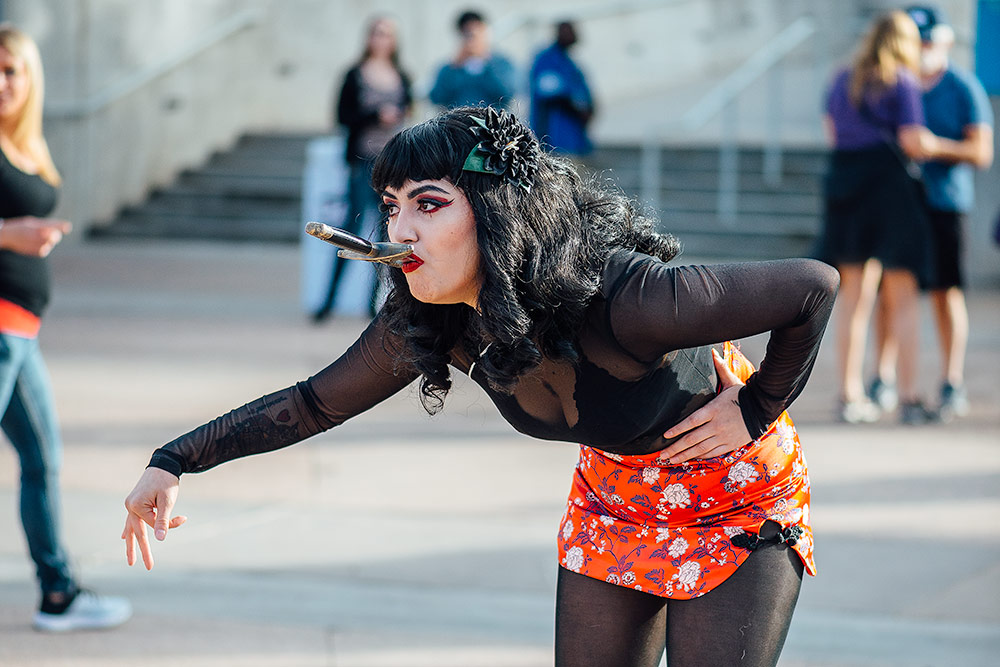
{"points": [[150, 502], [714, 429]]}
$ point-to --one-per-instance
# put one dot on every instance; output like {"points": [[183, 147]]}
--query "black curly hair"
{"points": [[542, 252]]}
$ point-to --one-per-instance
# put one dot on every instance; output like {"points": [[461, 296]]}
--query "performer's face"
{"points": [[436, 219]]}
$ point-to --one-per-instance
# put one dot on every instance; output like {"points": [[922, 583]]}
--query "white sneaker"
{"points": [[87, 611], [860, 412]]}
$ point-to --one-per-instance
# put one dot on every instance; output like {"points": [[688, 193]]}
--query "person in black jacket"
{"points": [[374, 101]]}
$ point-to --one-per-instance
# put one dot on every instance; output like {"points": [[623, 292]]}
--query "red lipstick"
{"points": [[411, 263]]}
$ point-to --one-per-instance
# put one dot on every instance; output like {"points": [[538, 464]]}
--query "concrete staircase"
{"points": [[253, 192], [772, 221]]}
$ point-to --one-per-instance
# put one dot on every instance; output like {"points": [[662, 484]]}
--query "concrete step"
{"points": [[275, 145], [263, 165], [244, 228], [771, 225], [707, 159], [742, 246], [629, 178], [224, 182], [747, 202], [179, 202]]}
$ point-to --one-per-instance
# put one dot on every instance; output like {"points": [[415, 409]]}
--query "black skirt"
{"points": [[873, 208]]}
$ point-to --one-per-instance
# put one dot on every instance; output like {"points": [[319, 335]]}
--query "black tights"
{"points": [[743, 621]]}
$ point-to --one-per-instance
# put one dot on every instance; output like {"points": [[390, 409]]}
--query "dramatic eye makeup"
{"points": [[388, 208], [426, 203], [432, 204]]}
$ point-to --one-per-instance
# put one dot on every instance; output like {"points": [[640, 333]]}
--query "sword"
{"points": [[355, 247]]}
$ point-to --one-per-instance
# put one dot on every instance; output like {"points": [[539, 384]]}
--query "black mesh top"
{"points": [[645, 364]]}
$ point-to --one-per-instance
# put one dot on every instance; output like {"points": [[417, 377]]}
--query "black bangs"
{"points": [[435, 150]]}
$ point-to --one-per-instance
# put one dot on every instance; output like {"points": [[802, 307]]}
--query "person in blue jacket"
{"points": [[561, 103]]}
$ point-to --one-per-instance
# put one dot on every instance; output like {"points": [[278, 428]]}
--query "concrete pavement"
{"points": [[402, 540]]}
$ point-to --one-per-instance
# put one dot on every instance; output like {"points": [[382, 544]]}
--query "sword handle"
{"points": [[340, 238]]}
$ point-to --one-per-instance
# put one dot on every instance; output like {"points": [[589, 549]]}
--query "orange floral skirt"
{"points": [[678, 531]]}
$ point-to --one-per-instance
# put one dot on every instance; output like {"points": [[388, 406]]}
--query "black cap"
{"points": [[927, 18]]}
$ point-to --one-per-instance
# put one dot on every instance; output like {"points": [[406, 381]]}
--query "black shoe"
{"points": [[916, 413], [81, 610]]}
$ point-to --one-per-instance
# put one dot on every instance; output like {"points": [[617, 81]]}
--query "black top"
{"points": [[359, 112], [644, 365], [24, 280]]}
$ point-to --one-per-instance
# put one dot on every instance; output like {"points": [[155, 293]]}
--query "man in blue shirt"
{"points": [[561, 103], [477, 76], [958, 113]]}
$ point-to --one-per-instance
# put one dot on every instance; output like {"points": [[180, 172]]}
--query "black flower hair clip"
{"points": [[505, 149]]}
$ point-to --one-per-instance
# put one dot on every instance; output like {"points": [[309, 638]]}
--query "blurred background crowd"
{"points": [[237, 120], [709, 110]]}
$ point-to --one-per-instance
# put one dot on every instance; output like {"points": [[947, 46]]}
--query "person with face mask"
{"points": [[958, 113]]}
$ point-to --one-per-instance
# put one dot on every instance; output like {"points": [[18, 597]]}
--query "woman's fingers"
{"points": [[147, 553], [135, 531], [695, 451], [129, 545], [164, 504], [712, 453], [727, 378], [150, 503], [688, 424], [726, 375], [714, 429]]}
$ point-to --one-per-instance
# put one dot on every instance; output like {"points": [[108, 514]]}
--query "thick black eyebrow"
{"points": [[416, 192]]}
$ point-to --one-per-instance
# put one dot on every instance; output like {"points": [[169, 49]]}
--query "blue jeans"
{"points": [[29, 421]]}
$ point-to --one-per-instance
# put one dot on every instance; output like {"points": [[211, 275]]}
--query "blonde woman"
{"points": [[875, 228], [28, 188]]}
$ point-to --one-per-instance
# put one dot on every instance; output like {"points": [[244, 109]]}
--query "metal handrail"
{"points": [[722, 99], [247, 18]]}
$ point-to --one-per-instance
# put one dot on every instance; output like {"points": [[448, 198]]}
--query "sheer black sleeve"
{"points": [[362, 377], [656, 308]]}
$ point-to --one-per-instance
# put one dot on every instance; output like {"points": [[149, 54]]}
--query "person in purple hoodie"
{"points": [[875, 227]]}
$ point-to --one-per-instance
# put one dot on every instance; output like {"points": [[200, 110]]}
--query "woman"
{"points": [[554, 296], [374, 101], [28, 188], [875, 227]]}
